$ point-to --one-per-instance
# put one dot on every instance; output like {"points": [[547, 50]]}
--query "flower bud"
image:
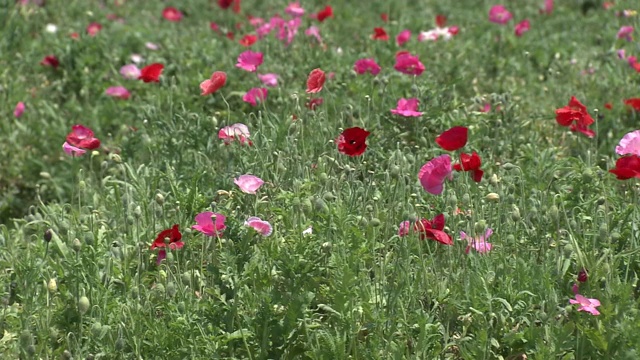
{"points": [[509, 166], [171, 289], [320, 205], [515, 214], [603, 231], [137, 212], [52, 285], [492, 197], [375, 222], [554, 213], [83, 305], [96, 329], [76, 245], [480, 226], [494, 180], [47, 235], [583, 275]]}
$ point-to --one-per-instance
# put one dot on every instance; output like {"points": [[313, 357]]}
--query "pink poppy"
{"points": [[151, 46], [403, 37], [294, 9], [499, 15], [130, 71], [254, 95], [210, 223], [259, 225], [239, 132], [404, 228], [479, 244], [522, 27], [407, 108], [548, 7], [17, 112], [82, 137], [171, 14], [629, 144], [625, 33], [93, 29], [315, 32], [366, 65], [250, 60], [213, 84], [588, 305], [409, 64], [72, 150], [118, 91], [248, 184], [270, 80], [433, 174]]}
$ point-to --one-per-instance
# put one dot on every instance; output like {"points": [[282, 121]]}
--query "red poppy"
{"points": [[627, 167], [230, 35], [50, 60], [470, 163], [312, 104], [453, 139], [93, 29], [171, 14], [433, 229], [576, 116], [151, 73], [82, 137], [634, 103], [441, 21], [248, 40], [174, 237], [384, 17], [315, 81], [608, 106], [225, 4], [379, 34], [325, 13], [636, 66], [213, 26], [352, 141]]}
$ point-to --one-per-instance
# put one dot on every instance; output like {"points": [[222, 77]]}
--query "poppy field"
{"points": [[227, 179]]}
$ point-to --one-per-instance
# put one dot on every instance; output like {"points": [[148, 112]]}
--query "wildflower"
{"points": [[522, 27], [403, 37], [118, 91], [407, 108], [629, 144], [259, 225], [409, 64], [352, 141], [575, 116], [51, 28], [250, 61], [625, 33], [441, 21], [238, 132], [270, 80], [248, 40], [130, 72], [588, 305], [583, 275], [82, 137], [315, 32], [151, 73], [213, 84], [315, 81], [171, 238], [627, 167], [171, 14], [248, 184], [255, 94], [210, 223], [72, 150], [325, 13], [404, 228], [499, 14], [50, 60], [548, 7], [294, 9], [634, 103], [308, 231], [384, 17], [479, 244], [453, 139], [136, 58], [433, 229], [470, 163], [363, 66], [379, 34], [433, 174], [313, 103], [17, 112], [93, 29]]}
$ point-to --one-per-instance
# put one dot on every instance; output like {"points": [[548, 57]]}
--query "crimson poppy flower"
{"points": [[171, 238], [441, 21], [352, 141], [248, 40], [576, 116], [408, 64], [453, 139], [50, 60], [324, 13], [230, 35], [312, 104], [379, 34], [384, 17], [608, 106], [470, 163], [225, 4], [315, 81], [627, 167], [171, 14], [82, 137], [433, 229], [634, 103], [151, 73]]}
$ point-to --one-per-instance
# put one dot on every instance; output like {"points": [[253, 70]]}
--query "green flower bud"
{"points": [[554, 213], [492, 197], [96, 329], [160, 199], [83, 305], [480, 226], [48, 234], [395, 171], [515, 214], [603, 231], [320, 206], [375, 222], [587, 176], [171, 289], [137, 212], [328, 196]]}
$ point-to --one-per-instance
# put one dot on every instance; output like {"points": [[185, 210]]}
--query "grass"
{"points": [[78, 276]]}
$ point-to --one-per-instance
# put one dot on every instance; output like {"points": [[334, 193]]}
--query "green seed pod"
{"points": [[182, 307], [83, 305], [88, 238], [323, 176], [412, 218], [96, 330], [480, 226], [615, 236], [515, 214], [603, 231], [375, 222], [395, 171], [587, 176], [160, 199], [320, 205], [171, 289], [186, 278]]}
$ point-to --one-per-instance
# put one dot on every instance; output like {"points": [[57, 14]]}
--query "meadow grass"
{"points": [[79, 279]]}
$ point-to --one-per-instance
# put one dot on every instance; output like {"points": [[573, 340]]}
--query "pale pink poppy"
{"points": [[404, 228], [407, 107], [433, 174], [308, 231], [248, 183], [363, 66], [118, 91], [445, 33], [256, 21], [625, 33], [403, 37], [210, 223], [409, 64], [264, 30], [588, 305], [522, 27], [294, 9], [239, 132], [270, 79], [250, 60], [499, 14], [622, 55], [254, 95], [479, 244], [315, 32], [217, 80], [130, 71], [93, 29], [151, 46], [548, 7], [72, 150], [17, 112], [288, 30], [137, 58], [629, 144], [259, 225]]}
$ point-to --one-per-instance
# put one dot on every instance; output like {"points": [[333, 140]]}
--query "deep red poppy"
{"points": [[230, 35], [50, 60], [608, 106], [315, 81], [379, 34], [225, 4], [433, 229], [151, 73], [634, 103], [174, 237], [352, 141], [384, 17], [248, 40], [576, 116], [82, 137], [313, 103], [441, 21], [171, 14], [325, 13], [453, 139], [627, 167], [470, 162]]}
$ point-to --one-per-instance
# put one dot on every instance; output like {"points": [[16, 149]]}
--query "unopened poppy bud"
{"points": [[515, 214], [323, 176], [115, 158], [492, 197], [395, 171], [104, 165], [583, 275], [171, 289], [412, 218], [319, 205], [480, 226], [169, 257], [554, 213], [466, 199], [83, 305], [82, 185], [326, 246], [615, 236], [328, 196], [494, 180], [95, 153], [52, 285], [509, 166], [375, 222], [452, 200], [214, 121], [160, 199], [362, 221], [587, 175], [137, 212], [96, 329], [48, 234], [603, 231], [76, 245], [45, 175]]}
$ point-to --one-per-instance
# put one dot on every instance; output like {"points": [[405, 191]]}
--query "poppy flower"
{"points": [[433, 174], [72, 150], [248, 40], [404, 228], [352, 141], [403, 37], [441, 21], [499, 14], [93, 29], [130, 71], [548, 7], [366, 65], [82, 137], [225, 4], [171, 14], [379, 34], [625, 33], [270, 80], [210, 223], [118, 91], [324, 13], [576, 116], [433, 229], [479, 244], [151, 73], [248, 184], [250, 60], [407, 108], [294, 9], [522, 27], [583, 275], [453, 139], [587, 305], [315, 32], [50, 60], [608, 106], [627, 167], [470, 163], [254, 95], [239, 132], [634, 103], [409, 64], [213, 84], [19, 109], [259, 225], [629, 144], [315, 81], [313, 103], [171, 238]]}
